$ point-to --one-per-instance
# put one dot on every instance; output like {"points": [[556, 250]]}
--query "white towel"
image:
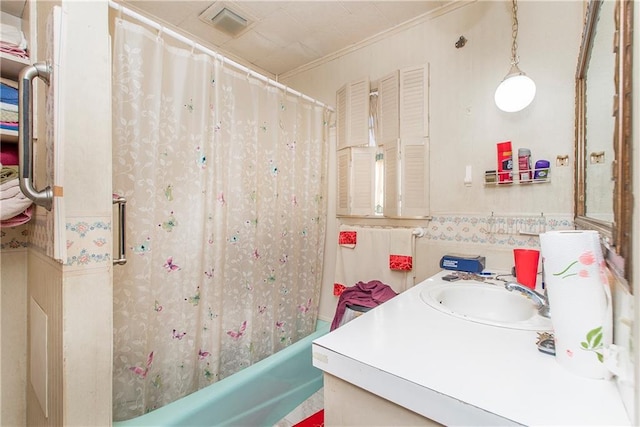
{"points": [[9, 191], [13, 35], [369, 260], [12, 201], [9, 107], [401, 249]]}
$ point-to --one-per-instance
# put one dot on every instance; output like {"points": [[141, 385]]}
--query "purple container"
{"points": [[541, 170]]}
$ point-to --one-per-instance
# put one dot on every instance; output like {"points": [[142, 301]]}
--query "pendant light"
{"points": [[516, 91]]}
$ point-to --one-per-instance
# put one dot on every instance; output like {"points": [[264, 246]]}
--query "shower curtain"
{"points": [[224, 178]]}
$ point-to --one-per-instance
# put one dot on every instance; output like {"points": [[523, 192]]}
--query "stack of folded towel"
{"points": [[8, 105], [13, 41], [15, 207]]}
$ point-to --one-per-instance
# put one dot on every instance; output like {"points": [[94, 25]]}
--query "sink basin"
{"points": [[490, 304]]}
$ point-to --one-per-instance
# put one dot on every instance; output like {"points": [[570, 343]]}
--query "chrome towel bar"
{"points": [[121, 202], [44, 197]]}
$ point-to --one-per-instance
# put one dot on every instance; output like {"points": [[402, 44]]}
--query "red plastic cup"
{"points": [[526, 261]]}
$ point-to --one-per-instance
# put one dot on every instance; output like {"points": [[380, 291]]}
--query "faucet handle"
{"points": [[540, 300]]}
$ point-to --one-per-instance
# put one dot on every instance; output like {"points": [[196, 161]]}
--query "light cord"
{"points": [[514, 34]]}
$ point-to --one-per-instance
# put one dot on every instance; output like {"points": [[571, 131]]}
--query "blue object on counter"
{"points": [[468, 263]]}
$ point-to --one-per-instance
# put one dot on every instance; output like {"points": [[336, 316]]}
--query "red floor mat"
{"points": [[315, 420]]}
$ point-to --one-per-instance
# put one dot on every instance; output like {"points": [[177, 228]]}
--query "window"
{"points": [[383, 146]]}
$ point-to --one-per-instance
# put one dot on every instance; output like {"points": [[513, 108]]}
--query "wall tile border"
{"points": [[14, 238], [87, 240], [495, 229]]}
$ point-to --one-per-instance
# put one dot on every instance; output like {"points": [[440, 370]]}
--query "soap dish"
{"points": [[546, 343]]}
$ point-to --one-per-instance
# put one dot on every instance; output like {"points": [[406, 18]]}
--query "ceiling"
{"points": [[285, 35]]}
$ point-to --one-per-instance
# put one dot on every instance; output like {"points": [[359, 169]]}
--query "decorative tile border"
{"points": [[494, 230], [87, 241], [87, 237], [12, 238]]}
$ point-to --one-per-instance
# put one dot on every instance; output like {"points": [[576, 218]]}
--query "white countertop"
{"points": [[458, 372]]}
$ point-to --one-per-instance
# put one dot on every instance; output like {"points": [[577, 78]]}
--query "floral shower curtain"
{"points": [[225, 188]]}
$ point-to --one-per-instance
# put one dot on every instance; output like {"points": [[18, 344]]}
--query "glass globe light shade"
{"points": [[515, 92]]}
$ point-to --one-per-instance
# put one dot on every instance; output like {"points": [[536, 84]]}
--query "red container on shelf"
{"points": [[505, 162]]}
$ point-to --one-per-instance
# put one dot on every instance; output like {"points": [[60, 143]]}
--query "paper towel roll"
{"points": [[580, 300]]}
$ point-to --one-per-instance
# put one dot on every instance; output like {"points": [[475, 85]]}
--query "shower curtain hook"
{"points": [[159, 35]]}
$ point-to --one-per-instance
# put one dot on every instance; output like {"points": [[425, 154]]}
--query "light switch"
{"points": [[467, 176]]}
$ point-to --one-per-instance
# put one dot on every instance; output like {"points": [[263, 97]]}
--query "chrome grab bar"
{"points": [[44, 197], [121, 202]]}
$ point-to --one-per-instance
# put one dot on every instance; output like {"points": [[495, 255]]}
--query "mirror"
{"points": [[603, 197], [599, 120]]}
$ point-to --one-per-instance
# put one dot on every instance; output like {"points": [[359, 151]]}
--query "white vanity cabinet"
{"points": [[406, 363], [349, 405]]}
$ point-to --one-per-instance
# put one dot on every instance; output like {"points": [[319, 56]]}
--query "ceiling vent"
{"points": [[227, 19]]}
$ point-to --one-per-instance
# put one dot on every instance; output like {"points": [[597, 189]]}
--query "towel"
{"points": [[9, 156], [9, 116], [369, 260], [12, 49], [9, 82], [9, 107], [15, 202], [401, 249], [8, 173], [9, 125], [369, 294], [9, 191], [8, 94], [348, 238], [19, 219], [12, 35]]}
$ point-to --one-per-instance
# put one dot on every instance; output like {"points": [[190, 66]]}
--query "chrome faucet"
{"points": [[540, 300]]}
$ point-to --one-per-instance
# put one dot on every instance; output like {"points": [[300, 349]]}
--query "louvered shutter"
{"points": [[358, 113], [363, 160], [414, 155], [388, 109], [356, 181], [341, 117], [414, 102], [352, 104], [343, 160], [391, 178]]}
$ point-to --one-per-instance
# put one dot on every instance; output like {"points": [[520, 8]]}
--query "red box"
{"points": [[505, 162]]}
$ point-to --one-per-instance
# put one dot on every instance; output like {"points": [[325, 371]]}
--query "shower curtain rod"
{"points": [[223, 59]]}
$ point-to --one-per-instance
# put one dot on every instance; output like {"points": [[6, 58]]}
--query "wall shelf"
{"points": [[10, 136], [491, 179], [11, 65]]}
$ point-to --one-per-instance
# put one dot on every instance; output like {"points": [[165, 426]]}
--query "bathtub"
{"points": [[259, 395]]}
